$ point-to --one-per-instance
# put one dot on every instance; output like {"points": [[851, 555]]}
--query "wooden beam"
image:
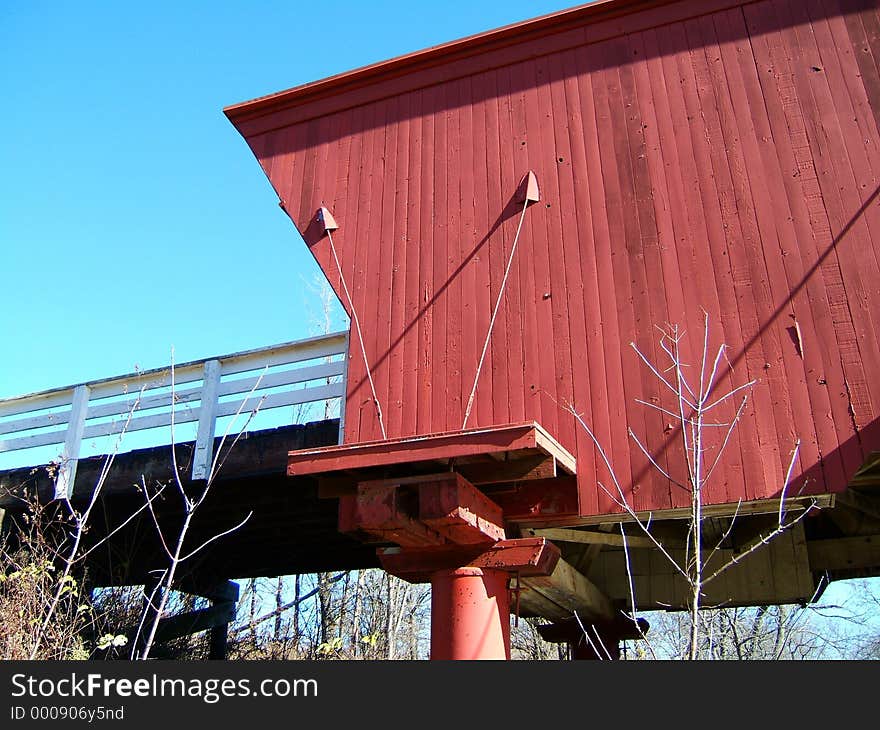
{"points": [[540, 466], [622, 628], [573, 592], [589, 553], [526, 556], [564, 460], [588, 537], [532, 603], [72, 442], [868, 475], [539, 503], [193, 622], [459, 511], [859, 502], [218, 642], [386, 515], [434, 447], [845, 553], [226, 590], [422, 511], [204, 453], [728, 509]]}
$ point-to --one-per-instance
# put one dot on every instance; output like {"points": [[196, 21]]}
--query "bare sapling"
{"points": [[71, 551], [157, 595], [695, 408]]}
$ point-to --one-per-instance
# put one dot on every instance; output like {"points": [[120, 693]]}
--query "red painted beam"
{"points": [[387, 515], [459, 511], [412, 449], [529, 556], [538, 501], [443, 507]]}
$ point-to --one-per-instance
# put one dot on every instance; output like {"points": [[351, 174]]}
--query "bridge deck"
{"points": [[294, 525], [290, 531]]}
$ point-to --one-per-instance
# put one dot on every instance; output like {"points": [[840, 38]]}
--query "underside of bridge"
{"points": [[359, 510]]}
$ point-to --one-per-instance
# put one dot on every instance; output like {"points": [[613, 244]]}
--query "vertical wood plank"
{"points": [[411, 340], [783, 137], [427, 246], [79, 407], [535, 255], [602, 291], [204, 448], [676, 259], [396, 238], [440, 292], [511, 366], [559, 391], [480, 145], [468, 257]]}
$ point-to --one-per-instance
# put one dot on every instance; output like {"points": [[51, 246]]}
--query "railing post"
{"points": [[204, 451], [72, 441], [342, 399]]}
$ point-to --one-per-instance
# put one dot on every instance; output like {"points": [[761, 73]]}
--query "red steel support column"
{"points": [[470, 614]]}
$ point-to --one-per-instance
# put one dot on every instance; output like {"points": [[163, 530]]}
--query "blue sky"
{"points": [[133, 218]]}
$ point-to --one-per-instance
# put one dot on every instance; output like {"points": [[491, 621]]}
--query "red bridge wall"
{"points": [[711, 156]]}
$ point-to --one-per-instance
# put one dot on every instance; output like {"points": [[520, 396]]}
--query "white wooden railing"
{"points": [[301, 372]]}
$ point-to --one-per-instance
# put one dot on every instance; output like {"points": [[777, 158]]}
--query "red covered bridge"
{"points": [[501, 216], [717, 157]]}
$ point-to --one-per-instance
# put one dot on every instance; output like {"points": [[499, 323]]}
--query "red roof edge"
{"points": [[461, 48]]}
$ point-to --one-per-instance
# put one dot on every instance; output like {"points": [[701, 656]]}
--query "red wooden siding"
{"points": [[713, 156]]}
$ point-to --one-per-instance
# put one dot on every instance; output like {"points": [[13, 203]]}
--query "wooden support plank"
{"points": [[532, 603], [218, 641], [430, 447], [457, 510], [540, 466], [344, 380], [387, 514], [591, 552], [546, 442], [571, 590], [526, 556], [844, 553], [204, 453], [869, 506], [485, 470], [422, 511], [193, 622], [215, 592], [621, 628], [868, 474], [532, 556], [740, 509], [539, 503], [72, 442], [588, 537]]}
